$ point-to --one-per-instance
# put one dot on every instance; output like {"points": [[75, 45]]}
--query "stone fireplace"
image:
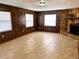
{"points": [[69, 24]]}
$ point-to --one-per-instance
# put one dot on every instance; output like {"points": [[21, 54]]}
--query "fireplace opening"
{"points": [[74, 28]]}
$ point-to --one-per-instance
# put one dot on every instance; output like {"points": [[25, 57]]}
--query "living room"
{"points": [[52, 23]]}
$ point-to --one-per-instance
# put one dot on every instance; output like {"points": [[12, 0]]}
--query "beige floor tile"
{"points": [[40, 45]]}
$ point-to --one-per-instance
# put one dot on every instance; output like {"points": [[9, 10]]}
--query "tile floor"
{"points": [[40, 45]]}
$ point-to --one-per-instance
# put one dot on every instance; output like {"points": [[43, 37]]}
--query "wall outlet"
{"points": [[3, 36]]}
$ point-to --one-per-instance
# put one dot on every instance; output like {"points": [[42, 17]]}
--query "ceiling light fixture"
{"points": [[42, 2]]}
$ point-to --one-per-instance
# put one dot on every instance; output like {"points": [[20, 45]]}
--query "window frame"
{"points": [[50, 25], [10, 29], [32, 20]]}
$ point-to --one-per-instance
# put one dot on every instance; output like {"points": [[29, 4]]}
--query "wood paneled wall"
{"points": [[40, 18], [18, 23], [19, 27]]}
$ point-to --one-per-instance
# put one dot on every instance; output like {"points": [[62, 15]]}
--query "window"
{"points": [[5, 21], [50, 20], [29, 20]]}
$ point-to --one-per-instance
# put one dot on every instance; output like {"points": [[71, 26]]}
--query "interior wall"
{"points": [[63, 20], [18, 23], [75, 20], [41, 27]]}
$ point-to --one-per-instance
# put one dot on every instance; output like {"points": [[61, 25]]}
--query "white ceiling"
{"points": [[34, 4]]}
